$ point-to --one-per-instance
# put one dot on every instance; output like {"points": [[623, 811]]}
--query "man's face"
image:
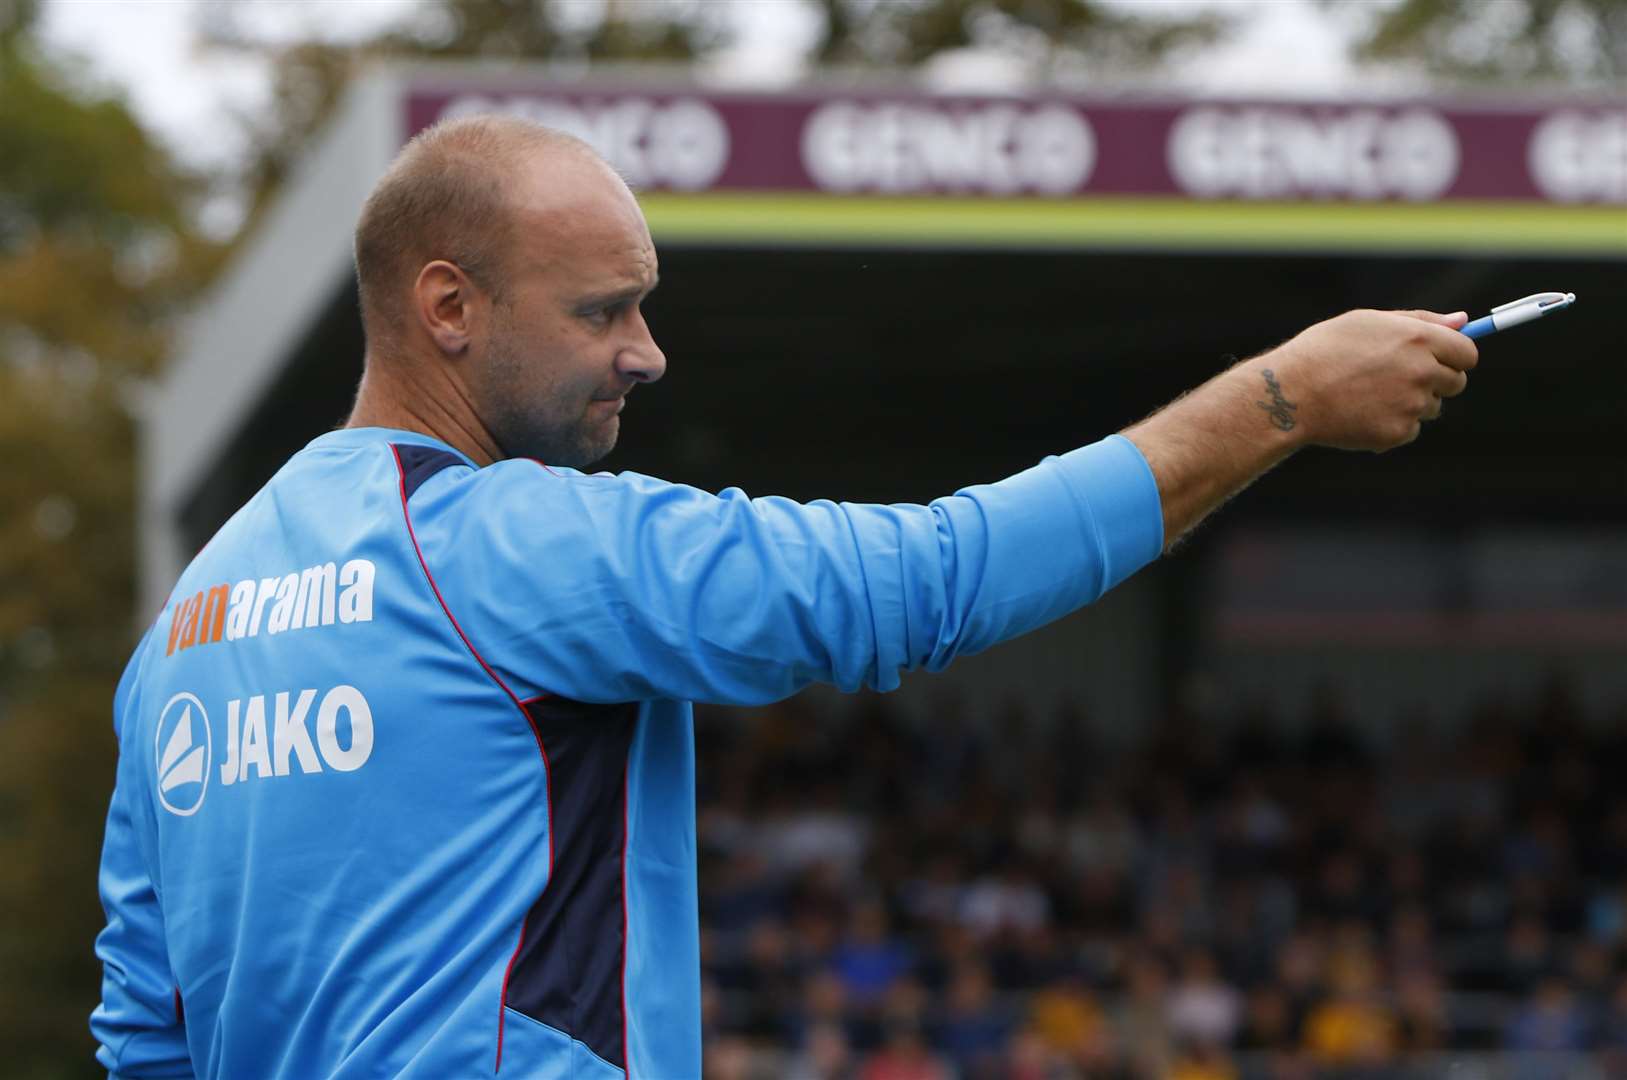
{"points": [[568, 341]]}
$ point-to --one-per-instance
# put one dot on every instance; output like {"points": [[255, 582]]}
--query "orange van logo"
{"points": [[200, 619]]}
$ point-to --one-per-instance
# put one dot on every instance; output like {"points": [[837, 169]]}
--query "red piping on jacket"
{"points": [[406, 515]]}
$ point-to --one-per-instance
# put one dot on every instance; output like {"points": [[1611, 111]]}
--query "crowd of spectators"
{"points": [[1213, 899]]}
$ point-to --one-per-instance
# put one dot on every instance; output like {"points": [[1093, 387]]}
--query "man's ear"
{"points": [[448, 306]]}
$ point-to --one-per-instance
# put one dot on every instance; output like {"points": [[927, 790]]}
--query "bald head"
{"points": [[452, 193], [502, 266]]}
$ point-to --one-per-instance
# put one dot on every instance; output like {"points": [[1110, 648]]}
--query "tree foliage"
{"points": [[1512, 42], [1049, 36], [96, 253]]}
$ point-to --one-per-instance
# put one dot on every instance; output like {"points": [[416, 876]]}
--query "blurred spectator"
{"points": [[824, 1005], [934, 896], [768, 978], [1270, 1036], [825, 1055], [1422, 1024], [1030, 1059], [1527, 955], [1352, 1027], [1592, 974], [1255, 906], [905, 1008], [731, 1058], [1203, 1009], [1202, 1063], [1551, 1020], [743, 890], [1103, 837], [1612, 1032], [1411, 944], [823, 832], [869, 959], [1066, 1023], [1268, 1021], [1004, 901], [904, 1056], [974, 1027], [1142, 1020], [1299, 973]]}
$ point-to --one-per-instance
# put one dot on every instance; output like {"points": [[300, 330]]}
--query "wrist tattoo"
{"points": [[1279, 408]]}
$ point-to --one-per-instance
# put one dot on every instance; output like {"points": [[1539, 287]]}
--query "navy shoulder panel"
{"points": [[419, 463]]}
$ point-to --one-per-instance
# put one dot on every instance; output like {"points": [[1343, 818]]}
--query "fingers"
{"points": [[1445, 382], [1450, 347], [1457, 320]]}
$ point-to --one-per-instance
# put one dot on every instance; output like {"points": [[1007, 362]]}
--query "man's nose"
{"points": [[642, 359]]}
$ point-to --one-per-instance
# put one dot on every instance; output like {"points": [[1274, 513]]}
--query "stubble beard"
{"points": [[535, 421]]}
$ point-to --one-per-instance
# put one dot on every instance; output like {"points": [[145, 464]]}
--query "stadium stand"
{"points": [[1004, 896]]}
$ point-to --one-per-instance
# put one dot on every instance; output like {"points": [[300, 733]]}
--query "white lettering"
{"points": [[228, 771], [1268, 153], [688, 145], [290, 736], [268, 586], [1056, 149], [1418, 155], [237, 615], [282, 612], [997, 149], [251, 755], [682, 144], [351, 700], [1578, 157], [254, 750], [313, 606], [356, 597], [312, 597]]}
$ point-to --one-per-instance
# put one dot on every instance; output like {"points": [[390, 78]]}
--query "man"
{"points": [[406, 771]]}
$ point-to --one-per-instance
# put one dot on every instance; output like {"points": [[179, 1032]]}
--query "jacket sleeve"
{"points": [[620, 587], [139, 1022]]}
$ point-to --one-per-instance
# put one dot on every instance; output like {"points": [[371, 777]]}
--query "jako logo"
{"points": [[183, 762], [256, 749], [315, 596]]}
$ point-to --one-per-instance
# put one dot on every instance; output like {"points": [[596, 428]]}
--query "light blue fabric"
{"points": [[343, 890]]}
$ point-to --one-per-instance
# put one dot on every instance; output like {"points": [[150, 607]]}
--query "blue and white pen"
{"points": [[1519, 311]]}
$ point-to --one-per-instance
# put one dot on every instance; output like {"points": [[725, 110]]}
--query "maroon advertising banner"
{"points": [[917, 144]]}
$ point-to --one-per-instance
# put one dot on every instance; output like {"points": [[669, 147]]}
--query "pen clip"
{"points": [[1541, 300]]}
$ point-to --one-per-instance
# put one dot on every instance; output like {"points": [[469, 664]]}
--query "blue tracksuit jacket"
{"points": [[406, 772]]}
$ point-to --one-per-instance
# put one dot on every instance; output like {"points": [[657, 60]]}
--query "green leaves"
{"points": [[1046, 34], [97, 254], [1578, 43], [16, 16]]}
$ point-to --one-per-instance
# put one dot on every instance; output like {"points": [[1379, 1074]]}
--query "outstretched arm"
{"points": [[1365, 380], [624, 588]]}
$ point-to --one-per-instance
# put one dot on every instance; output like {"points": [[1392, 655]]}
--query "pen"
{"points": [[1519, 311]]}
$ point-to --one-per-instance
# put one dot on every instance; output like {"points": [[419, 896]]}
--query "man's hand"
{"points": [[1364, 380]]}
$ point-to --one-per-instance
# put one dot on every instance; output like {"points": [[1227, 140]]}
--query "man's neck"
{"points": [[394, 394]]}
